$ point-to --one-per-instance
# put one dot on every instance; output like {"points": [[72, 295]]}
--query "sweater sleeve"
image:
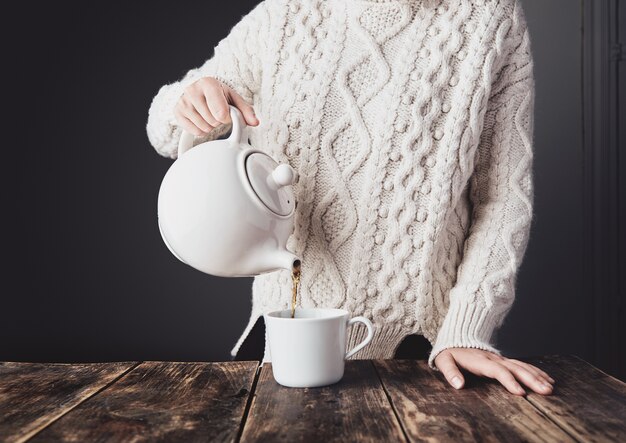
{"points": [[501, 192], [236, 62]]}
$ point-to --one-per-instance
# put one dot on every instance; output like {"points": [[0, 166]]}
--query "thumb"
{"points": [[447, 365], [246, 110]]}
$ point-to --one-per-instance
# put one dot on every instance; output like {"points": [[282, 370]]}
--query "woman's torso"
{"points": [[378, 107]]}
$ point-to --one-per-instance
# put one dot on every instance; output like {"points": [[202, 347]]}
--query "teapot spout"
{"points": [[287, 260]]}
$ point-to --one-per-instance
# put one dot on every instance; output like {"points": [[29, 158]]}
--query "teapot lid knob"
{"points": [[271, 182], [283, 175]]}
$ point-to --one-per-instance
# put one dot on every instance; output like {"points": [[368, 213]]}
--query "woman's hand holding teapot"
{"points": [[204, 106]]}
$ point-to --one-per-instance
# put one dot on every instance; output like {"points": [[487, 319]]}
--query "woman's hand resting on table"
{"points": [[484, 363], [204, 106]]}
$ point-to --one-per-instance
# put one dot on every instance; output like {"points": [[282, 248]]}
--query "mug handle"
{"points": [[237, 133], [368, 339]]}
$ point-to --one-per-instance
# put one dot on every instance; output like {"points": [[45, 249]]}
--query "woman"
{"points": [[410, 124]]}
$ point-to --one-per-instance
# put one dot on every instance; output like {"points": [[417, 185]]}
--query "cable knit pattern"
{"points": [[410, 123]]}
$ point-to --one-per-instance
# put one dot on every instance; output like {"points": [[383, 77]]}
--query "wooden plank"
{"points": [[431, 410], [587, 403], [163, 401], [33, 395], [355, 409]]}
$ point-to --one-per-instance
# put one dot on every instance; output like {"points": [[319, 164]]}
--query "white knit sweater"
{"points": [[410, 124]]}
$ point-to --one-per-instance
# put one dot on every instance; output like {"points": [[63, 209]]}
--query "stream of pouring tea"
{"points": [[295, 278]]}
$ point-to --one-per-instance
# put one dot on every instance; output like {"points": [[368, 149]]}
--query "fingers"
{"points": [[187, 125], [189, 118], [246, 110], [532, 380], [506, 371], [533, 369], [200, 105], [480, 363], [216, 99], [446, 364], [504, 376], [192, 114], [204, 105]]}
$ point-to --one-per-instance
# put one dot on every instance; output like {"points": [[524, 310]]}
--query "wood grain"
{"points": [[33, 395], [586, 402], [355, 409], [431, 410], [164, 402], [390, 400]]}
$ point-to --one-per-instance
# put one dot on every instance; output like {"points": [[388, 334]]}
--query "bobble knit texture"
{"points": [[410, 124]]}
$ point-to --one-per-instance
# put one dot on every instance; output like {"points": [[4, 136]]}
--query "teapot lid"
{"points": [[277, 195]]}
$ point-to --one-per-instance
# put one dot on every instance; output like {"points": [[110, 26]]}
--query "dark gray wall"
{"points": [[88, 277], [551, 313]]}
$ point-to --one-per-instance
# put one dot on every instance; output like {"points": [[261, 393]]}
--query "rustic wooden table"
{"points": [[391, 400]]}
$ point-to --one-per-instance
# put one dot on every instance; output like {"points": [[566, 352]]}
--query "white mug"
{"points": [[310, 350]]}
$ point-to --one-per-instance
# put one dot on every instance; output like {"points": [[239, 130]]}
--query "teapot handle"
{"points": [[237, 133]]}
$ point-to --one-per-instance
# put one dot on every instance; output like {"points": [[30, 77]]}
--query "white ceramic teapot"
{"points": [[227, 209]]}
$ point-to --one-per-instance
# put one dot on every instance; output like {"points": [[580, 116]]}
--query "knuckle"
{"points": [[220, 111], [221, 86], [509, 365], [503, 373], [186, 105], [210, 84], [510, 379]]}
